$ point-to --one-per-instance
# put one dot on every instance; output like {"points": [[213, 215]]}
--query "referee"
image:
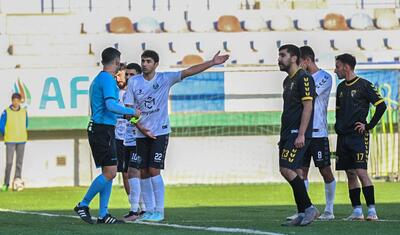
{"points": [[104, 106]]}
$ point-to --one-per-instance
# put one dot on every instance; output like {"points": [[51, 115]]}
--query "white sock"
{"points": [[159, 191], [330, 189], [148, 194], [141, 203], [134, 194], [357, 209], [306, 184], [372, 209]]}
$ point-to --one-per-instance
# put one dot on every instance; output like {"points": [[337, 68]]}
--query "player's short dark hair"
{"points": [[135, 67], [347, 59], [122, 66], [109, 55], [307, 52], [16, 96], [293, 50], [151, 54]]}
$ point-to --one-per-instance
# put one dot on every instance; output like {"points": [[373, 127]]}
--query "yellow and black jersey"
{"points": [[353, 99], [296, 89]]}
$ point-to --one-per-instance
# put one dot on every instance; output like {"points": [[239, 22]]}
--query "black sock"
{"points": [[354, 195], [369, 195], [300, 194]]}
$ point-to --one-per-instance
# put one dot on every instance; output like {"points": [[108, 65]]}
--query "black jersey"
{"points": [[296, 89], [353, 99]]}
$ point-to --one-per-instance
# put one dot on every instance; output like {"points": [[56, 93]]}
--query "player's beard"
{"points": [[283, 67], [121, 85]]}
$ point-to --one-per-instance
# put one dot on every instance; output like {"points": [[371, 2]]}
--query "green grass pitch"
{"points": [[260, 207]]}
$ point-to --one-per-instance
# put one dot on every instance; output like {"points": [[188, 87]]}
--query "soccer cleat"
{"points": [[155, 217], [294, 222], [372, 216], [109, 219], [310, 215], [4, 188], [131, 216], [355, 216], [292, 217], [144, 216], [326, 216], [83, 213]]}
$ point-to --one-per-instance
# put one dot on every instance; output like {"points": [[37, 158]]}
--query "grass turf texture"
{"points": [[260, 207]]}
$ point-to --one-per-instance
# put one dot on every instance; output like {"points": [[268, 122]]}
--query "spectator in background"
{"points": [[13, 125]]}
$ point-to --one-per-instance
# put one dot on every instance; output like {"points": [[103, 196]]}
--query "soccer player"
{"points": [[103, 94], [319, 146], [120, 128], [353, 98], [296, 130], [149, 92]]}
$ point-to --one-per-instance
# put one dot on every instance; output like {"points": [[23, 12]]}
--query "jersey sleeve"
{"points": [[372, 94], [129, 96], [172, 78], [324, 85], [306, 87], [108, 86]]}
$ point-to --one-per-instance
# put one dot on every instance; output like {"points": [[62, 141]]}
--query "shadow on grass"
{"points": [[263, 218]]}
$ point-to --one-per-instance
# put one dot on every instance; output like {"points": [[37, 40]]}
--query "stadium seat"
{"points": [[148, 25], [308, 23], [392, 42], [42, 24], [386, 18], [175, 24], [336, 22], [255, 23], [361, 21], [281, 22], [228, 23], [121, 25], [201, 21], [192, 60]]}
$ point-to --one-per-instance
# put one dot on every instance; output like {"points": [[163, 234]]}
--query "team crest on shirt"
{"points": [[140, 92], [341, 95], [353, 93], [156, 86], [149, 102]]}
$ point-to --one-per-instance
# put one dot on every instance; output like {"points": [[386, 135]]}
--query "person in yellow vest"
{"points": [[13, 125]]}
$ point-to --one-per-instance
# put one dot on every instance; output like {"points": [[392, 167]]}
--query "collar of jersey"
{"points": [[352, 81], [294, 73]]}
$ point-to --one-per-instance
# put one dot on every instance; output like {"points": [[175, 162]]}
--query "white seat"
{"points": [[255, 23], [43, 25], [202, 21], [175, 22], [361, 21], [281, 23]]}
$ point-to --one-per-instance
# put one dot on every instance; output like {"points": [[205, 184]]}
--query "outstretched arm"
{"points": [[113, 106], [217, 59]]}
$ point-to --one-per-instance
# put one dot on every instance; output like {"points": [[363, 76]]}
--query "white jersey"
{"points": [[130, 135], [323, 86], [120, 127], [151, 97]]}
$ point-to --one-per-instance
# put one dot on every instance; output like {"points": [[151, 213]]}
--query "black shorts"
{"points": [[120, 154], [130, 153], [352, 151], [150, 152], [289, 156], [319, 151], [102, 143]]}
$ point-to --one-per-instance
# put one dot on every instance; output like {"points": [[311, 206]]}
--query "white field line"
{"points": [[209, 229]]}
